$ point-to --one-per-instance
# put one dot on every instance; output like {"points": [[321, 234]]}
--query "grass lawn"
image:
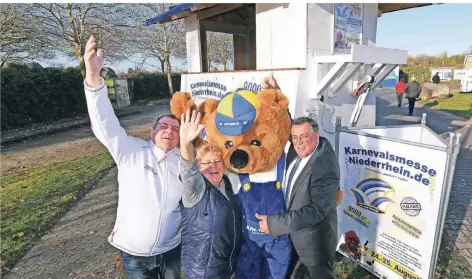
{"points": [[459, 104], [34, 197]]}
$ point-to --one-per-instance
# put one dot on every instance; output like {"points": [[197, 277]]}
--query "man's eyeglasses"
{"points": [[301, 138], [167, 126], [210, 163]]}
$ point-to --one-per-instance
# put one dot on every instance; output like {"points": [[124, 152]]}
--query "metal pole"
{"points": [[453, 149], [337, 129], [423, 124]]}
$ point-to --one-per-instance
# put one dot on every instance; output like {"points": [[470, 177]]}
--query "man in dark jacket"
{"points": [[436, 78], [412, 92], [311, 187]]}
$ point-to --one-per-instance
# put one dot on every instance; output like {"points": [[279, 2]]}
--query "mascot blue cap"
{"points": [[236, 112]]}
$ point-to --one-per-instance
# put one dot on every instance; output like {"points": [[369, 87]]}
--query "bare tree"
{"points": [[468, 51], [443, 58], [220, 49], [20, 39], [158, 41], [67, 26], [422, 59]]}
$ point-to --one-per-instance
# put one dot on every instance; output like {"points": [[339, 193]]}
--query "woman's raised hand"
{"points": [[190, 127]]}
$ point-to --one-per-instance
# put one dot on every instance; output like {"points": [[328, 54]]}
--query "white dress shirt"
{"points": [[302, 164]]}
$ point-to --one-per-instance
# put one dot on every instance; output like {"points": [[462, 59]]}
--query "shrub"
{"points": [[34, 95], [152, 86], [422, 74], [109, 82]]}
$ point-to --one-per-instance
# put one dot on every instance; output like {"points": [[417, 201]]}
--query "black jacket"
{"points": [[211, 234], [413, 89], [312, 218]]}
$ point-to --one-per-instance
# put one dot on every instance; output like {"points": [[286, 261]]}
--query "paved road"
{"points": [[77, 246]]}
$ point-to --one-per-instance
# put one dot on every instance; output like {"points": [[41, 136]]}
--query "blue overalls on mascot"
{"points": [[250, 125]]}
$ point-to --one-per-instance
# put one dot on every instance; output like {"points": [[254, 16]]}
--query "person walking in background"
{"points": [[412, 91], [211, 220], [400, 89], [436, 79]]}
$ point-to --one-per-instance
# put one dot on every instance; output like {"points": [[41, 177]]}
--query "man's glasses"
{"points": [[301, 138], [167, 126], [210, 163]]}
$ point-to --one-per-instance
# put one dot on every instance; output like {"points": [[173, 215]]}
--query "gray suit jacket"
{"points": [[311, 219]]}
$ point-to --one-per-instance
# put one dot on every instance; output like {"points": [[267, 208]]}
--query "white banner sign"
{"points": [[389, 213], [347, 26], [215, 85]]}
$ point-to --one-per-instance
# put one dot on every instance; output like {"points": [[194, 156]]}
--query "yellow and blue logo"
{"points": [[236, 112]]}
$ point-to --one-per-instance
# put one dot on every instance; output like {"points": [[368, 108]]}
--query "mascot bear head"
{"points": [[251, 129]]}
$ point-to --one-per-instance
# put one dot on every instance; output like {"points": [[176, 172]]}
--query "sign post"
{"points": [[396, 182]]}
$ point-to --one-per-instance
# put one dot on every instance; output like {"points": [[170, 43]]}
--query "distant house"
{"points": [[107, 73]]}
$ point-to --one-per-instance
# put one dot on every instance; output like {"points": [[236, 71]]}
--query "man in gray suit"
{"points": [[311, 186]]}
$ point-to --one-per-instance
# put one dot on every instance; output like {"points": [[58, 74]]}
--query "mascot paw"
{"points": [[180, 103], [271, 97]]}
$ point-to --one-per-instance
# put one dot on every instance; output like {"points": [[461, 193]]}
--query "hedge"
{"points": [[34, 94], [422, 74], [152, 86]]}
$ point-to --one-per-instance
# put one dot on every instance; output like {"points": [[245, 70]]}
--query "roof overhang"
{"points": [[393, 7], [211, 9]]}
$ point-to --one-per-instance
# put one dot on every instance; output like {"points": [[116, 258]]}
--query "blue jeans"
{"points": [[162, 266]]}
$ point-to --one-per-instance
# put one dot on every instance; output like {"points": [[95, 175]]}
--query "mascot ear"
{"points": [[206, 108], [273, 97], [180, 103]]}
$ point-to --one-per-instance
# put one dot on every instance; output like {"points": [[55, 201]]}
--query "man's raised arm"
{"points": [[105, 124]]}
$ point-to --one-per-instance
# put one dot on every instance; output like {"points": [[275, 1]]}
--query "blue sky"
{"points": [[430, 29]]}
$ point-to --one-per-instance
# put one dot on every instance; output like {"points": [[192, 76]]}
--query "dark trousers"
{"points": [[399, 99], [297, 270], [411, 105], [162, 266]]}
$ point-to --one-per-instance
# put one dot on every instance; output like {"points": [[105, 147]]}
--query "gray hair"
{"points": [[171, 116], [303, 119]]}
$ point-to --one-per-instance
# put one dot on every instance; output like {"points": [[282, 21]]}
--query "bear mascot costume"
{"points": [[252, 130]]}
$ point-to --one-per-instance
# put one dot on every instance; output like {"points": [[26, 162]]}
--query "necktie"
{"points": [[290, 177]]}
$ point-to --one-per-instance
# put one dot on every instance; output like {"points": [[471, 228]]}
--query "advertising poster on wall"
{"points": [[347, 26], [216, 85], [389, 213]]}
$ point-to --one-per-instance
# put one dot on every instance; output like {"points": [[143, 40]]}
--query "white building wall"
{"points": [[281, 35], [290, 36], [192, 36], [369, 24]]}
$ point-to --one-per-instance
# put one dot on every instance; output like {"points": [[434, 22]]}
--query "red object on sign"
{"points": [[357, 90]]}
